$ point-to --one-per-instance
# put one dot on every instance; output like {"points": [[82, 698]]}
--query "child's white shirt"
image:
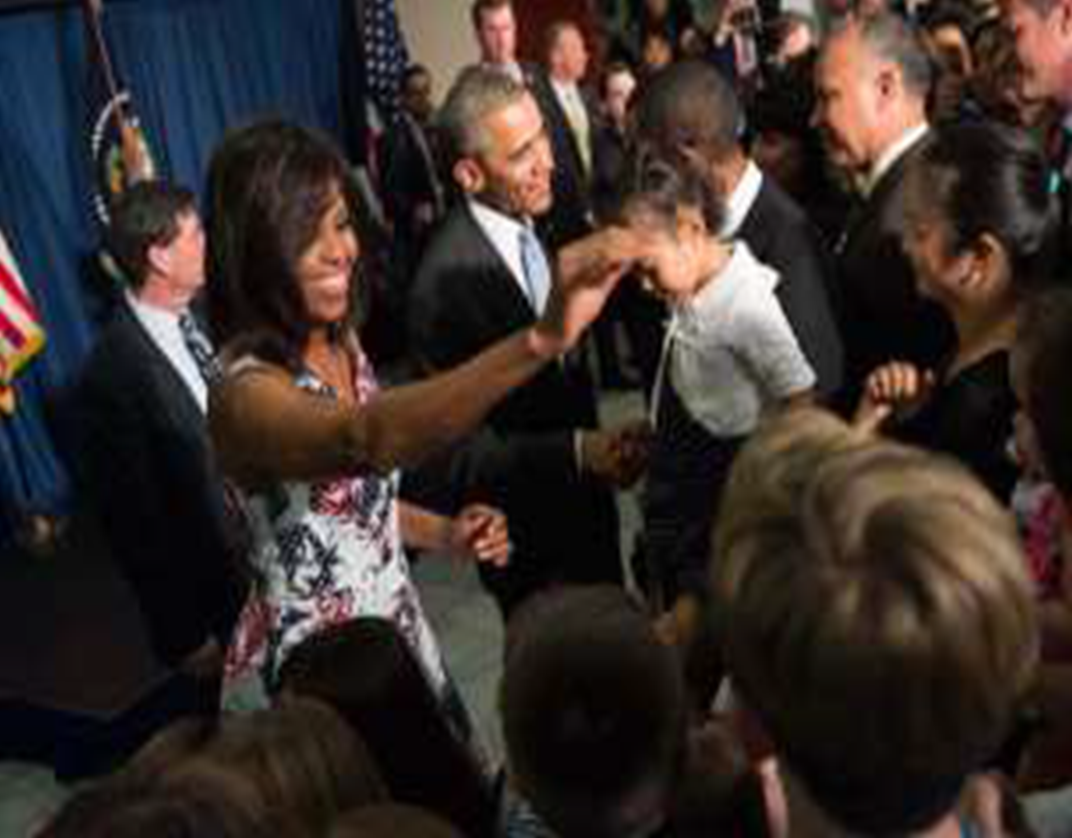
{"points": [[730, 350]]}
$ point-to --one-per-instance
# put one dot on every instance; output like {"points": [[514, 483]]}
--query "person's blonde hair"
{"points": [[880, 622], [771, 470]]}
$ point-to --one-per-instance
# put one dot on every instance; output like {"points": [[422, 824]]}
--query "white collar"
{"points": [[151, 315], [894, 152], [503, 232], [497, 220], [741, 199]]}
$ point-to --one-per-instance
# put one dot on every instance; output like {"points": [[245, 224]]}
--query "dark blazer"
{"points": [[410, 178], [563, 526], [778, 232], [882, 315], [143, 458], [570, 215]]}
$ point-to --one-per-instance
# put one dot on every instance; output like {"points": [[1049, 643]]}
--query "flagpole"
{"points": [[133, 154], [94, 14]]}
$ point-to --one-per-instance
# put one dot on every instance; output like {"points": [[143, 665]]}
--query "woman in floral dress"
{"points": [[297, 419]]}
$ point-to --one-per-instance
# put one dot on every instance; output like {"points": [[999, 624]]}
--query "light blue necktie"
{"points": [[537, 271]]}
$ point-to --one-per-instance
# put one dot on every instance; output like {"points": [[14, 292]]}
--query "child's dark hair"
{"points": [[658, 189], [594, 713]]}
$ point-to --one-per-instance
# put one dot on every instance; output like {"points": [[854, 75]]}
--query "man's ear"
{"points": [[469, 176], [159, 259]]}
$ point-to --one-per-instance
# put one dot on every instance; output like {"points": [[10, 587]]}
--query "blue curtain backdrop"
{"points": [[195, 68]]}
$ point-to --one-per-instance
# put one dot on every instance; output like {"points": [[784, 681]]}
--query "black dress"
{"points": [[971, 418]]}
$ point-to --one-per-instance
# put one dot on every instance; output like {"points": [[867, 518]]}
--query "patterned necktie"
{"points": [[199, 347], [537, 272]]}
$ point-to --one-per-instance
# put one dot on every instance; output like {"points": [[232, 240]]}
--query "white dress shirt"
{"points": [[741, 199], [163, 328], [730, 351]]}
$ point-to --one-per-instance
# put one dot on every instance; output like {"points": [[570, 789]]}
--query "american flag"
{"points": [[21, 335], [386, 56]]}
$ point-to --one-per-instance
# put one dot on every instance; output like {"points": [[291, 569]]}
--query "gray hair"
{"points": [[477, 92], [891, 38]]}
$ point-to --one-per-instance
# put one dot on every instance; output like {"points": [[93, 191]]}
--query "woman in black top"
{"points": [[978, 234]]}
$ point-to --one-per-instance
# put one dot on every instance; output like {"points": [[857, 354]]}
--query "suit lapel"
{"points": [[175, 395], [501, 283]]}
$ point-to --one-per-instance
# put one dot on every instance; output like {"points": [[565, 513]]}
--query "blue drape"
{"points": [[195, 68]]}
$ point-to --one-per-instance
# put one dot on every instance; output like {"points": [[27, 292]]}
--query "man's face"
{"points": [[497, 34], [186, 254], [1043, 46], [516, 163], [417, 96], [569, 56], [618, 93], [849, 102]]}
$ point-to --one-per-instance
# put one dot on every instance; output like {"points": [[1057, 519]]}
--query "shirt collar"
{"points": [[152, 315], [894, 152], [493, 219], [741, 199]]}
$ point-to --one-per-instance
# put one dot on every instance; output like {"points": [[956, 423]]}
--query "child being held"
{"points": [[730, 356]]}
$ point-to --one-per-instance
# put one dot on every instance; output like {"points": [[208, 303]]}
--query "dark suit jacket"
{"points": [[570, 215], [778, 232], [143, 458], [410, 177], [563, 526], [883, 317]]}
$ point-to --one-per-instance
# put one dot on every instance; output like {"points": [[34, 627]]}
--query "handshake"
{"points": [[617, 456]]}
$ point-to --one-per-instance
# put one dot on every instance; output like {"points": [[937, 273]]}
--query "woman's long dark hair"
{"points": [[269, 185], [991, 178]]}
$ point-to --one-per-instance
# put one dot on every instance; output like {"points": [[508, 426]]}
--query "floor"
{"points": [[466, 622]]}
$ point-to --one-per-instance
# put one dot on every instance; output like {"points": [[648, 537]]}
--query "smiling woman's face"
{"points": [[325, 267]]}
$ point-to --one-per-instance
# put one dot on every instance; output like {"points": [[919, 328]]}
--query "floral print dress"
{"points": [[325, 552]]}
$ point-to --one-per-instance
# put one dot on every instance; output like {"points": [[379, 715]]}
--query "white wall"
{"points": [[439, 36]]}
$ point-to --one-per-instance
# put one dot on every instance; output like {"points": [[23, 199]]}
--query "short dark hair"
{"points": [[476, 11], [690, 104], [593, 711], [991, 178], [145, 216], [658, 189], [1044, 333], [269, 185], [412, 71], [367, 671]]}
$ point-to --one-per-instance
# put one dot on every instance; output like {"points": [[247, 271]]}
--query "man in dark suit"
{"points": [[539, 456], [142, 450], [873, 77], [415, 201], [690, 116], [495, 27], [570, 119]]}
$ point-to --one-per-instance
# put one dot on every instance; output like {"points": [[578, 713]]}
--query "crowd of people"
{"points": [[837, 250]]}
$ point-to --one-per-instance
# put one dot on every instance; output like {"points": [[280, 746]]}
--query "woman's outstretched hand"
{"points": [[588, 271]]}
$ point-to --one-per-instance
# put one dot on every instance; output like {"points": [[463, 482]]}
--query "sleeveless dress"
{"points": [[324, 552]]}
